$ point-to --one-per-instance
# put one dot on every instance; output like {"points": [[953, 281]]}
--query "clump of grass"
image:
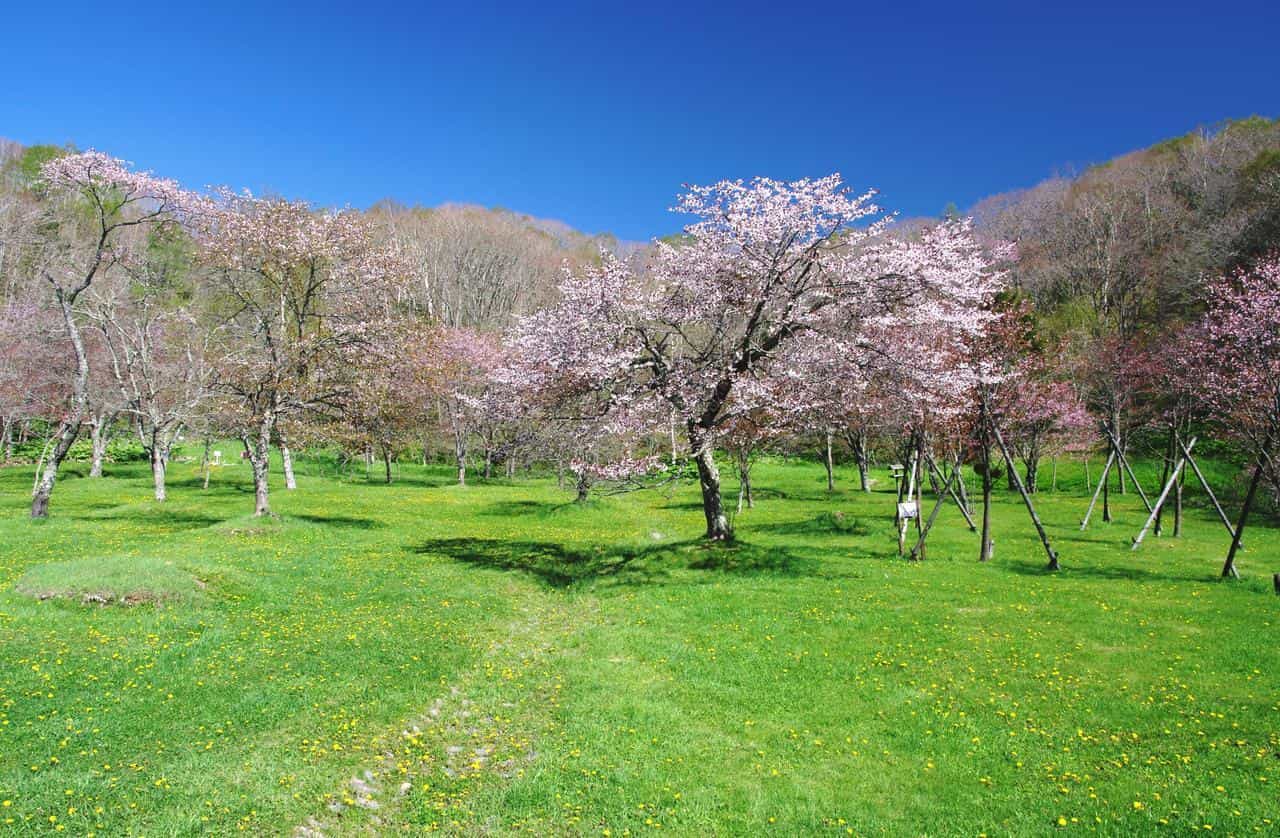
{"points": [[112, 580], [839, 522]]}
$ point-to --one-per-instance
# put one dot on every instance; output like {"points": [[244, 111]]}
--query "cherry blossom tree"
{"points": [[299, 294], [1235, 352], [92, 201], [763, 267], [456, 366], [159, 358]]}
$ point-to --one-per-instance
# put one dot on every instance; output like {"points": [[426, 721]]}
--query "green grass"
{"points": [[111, 580], [497, 658]]}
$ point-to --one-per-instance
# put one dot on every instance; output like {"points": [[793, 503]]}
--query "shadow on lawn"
{"points": [[339, 521], [507, 508], [1126, 572], [826, 523], [560, 566], [157, 517]]}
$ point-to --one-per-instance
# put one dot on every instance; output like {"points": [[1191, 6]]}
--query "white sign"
{"points": [[907, 510]]}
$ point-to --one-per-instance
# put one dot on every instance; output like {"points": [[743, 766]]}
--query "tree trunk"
{"points": [[1106, 494], [985, 550], [744, 481], [1177, 504], [460, 454], [386, 461], [1119, 443], [829, 462], [205, 465], [582, 487], [71, 427], [6, 438], [1164, 478], [286, 462], [709, 481], [259, 451], [159, 463], [1033, 475], [98, 439]]}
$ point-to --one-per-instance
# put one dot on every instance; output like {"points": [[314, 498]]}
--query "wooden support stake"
{"points": [[1164, 494], [949, 489], [1022, 490], [1229, 566], [1124, 463], [1195, 468], [917, 552], [1102, 481]]}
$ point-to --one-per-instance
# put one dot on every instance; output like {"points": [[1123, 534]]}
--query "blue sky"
{"points": [[595, 114]]}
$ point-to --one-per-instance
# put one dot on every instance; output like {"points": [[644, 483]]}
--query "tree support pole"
{"points": [[1022, 490], [1124, 463], [948, 488], [1102, 481], [917, 552], [1204, 483], [1164, 495]]}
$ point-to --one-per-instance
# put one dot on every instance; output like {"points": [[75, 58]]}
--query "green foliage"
{"points": [[120, 449], [526, 663], [23, 171]]}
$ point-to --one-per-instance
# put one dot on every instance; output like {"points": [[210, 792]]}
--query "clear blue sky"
{"points": [[595, 114]]}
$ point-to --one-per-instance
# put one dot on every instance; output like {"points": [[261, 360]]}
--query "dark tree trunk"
{"points": [[582, 487], [1229, 567], [386, 461], [709, 481], [985, 550], [1164, 478], [861, 457], [1177, 504], [1033, 475], [744, 480], [1106, 495]]}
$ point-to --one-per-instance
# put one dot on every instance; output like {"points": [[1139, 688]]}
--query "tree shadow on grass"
{"points": [[505, 508], [339, 521], [826, 523], [560, 567], [157, 517], [1111, 572]]}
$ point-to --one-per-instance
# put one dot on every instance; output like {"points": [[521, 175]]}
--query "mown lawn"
{"points": [[493, 658]]}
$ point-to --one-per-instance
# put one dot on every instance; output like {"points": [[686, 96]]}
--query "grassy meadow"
{"points": [[493, 658]]}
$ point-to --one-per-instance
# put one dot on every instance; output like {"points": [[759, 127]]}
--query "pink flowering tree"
{"points": [[299, 295], [709, 326], [1042, 415], [454, 368], [1236, 368], [92, 202]]}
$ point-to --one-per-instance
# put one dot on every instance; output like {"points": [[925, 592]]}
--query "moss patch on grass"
{"points": [[111, 580]]}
